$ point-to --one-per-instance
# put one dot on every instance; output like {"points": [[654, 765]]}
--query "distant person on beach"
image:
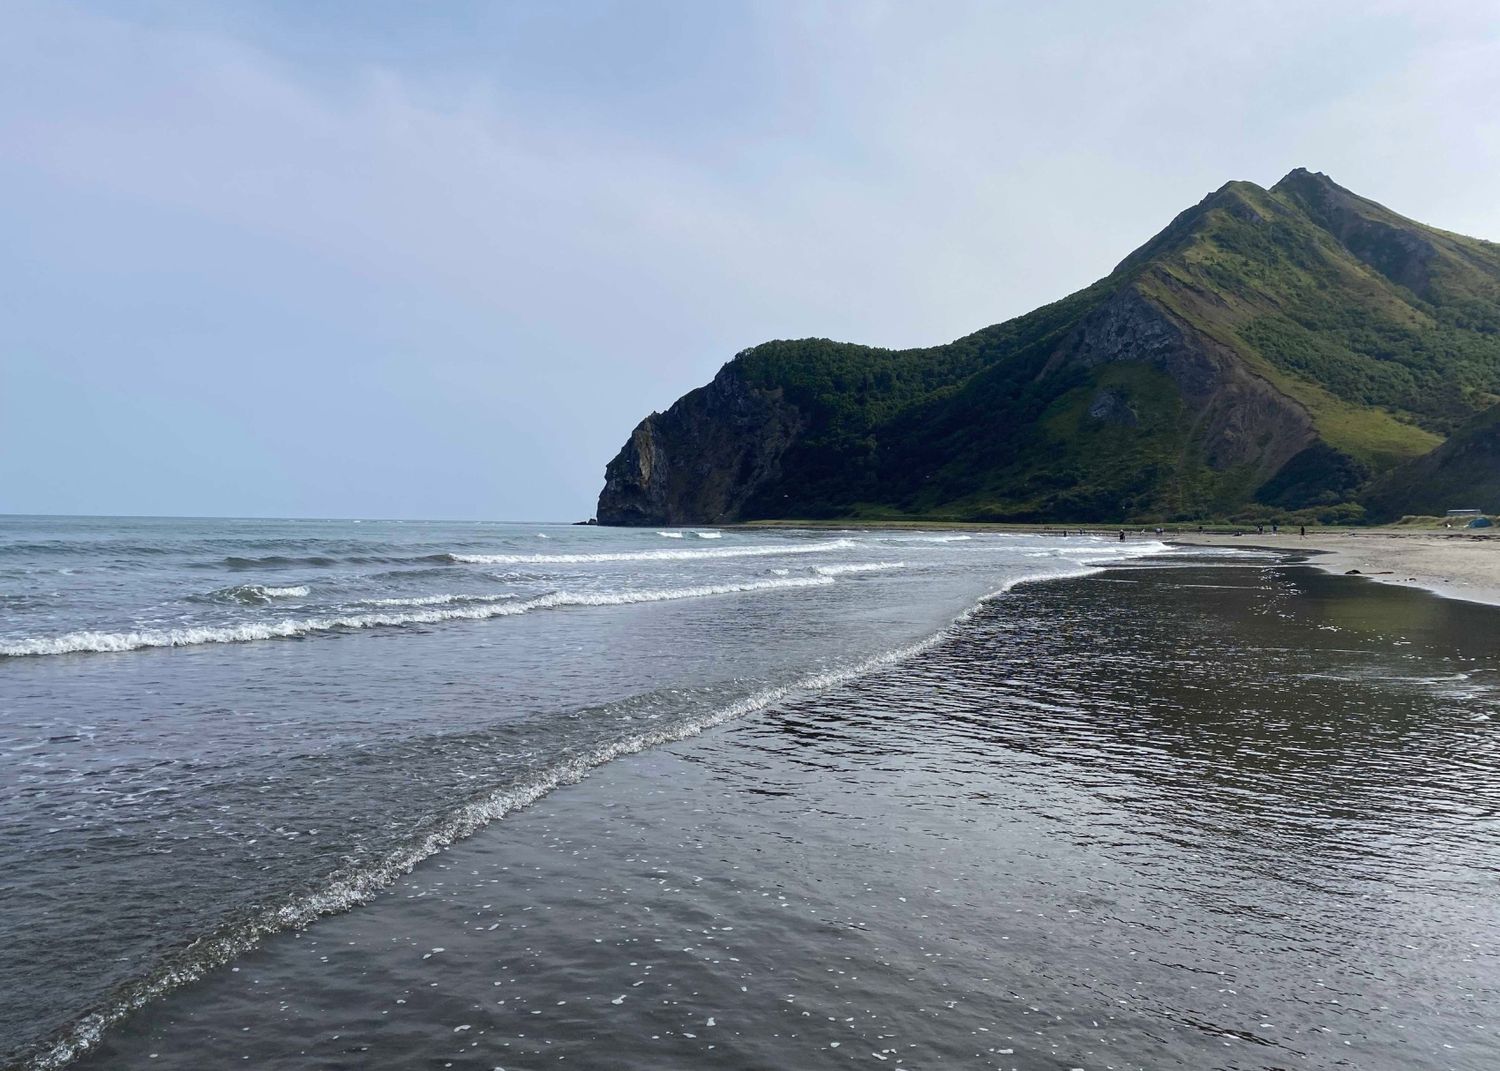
{"points": [[1122, 535], [1303, 532]]}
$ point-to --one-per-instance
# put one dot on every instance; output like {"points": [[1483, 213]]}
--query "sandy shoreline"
{"points": [[1456, 564]]}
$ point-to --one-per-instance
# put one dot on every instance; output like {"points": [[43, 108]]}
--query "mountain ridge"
{"points": [[1275, 350]]}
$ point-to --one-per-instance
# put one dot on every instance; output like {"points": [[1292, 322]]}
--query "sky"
{"points": [[384, 259]]}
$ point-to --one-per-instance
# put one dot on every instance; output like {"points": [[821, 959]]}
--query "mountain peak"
{"points": [[1313, 187], [1400, 249], [1302, 174], [1237, 197], [1270, 352]]}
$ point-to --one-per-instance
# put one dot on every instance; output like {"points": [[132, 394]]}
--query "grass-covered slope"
{"points": [[1271, 350], [1463, 473]]}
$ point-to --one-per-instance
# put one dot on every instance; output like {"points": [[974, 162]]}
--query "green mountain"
{"points": [[1463, 473], [1271, 352]]}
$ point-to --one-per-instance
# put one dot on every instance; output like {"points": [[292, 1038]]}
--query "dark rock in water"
{"points": [[591, 520], [1227, 364], [1351, 572]]}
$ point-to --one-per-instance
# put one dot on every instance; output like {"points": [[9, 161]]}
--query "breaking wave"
{"points": [[653, 555], [92, 641], [439, 600], [858, 567], [256, 594]]}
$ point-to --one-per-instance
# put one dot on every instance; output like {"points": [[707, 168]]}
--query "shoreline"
{"points": [[1450, 565], [1454, 564]]}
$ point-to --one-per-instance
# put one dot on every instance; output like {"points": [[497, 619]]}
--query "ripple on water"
{"points": [[1148, 826]]}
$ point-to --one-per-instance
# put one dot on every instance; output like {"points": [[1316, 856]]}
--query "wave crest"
{"points": [[439, 600], [105, 642], [653, 555], [858, 567], [256, 594]]}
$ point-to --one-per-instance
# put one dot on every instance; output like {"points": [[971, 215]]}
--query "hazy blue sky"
{"points": [[402, 260]]}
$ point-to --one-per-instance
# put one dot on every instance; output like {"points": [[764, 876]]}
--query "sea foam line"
{"points": [[349, 888], [439, 600], [91, 641], [857, 567], [932, 539], [653, 555]]}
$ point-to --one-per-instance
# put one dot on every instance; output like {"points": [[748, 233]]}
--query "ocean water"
{"points": [[1184, 815], [215, 731]]}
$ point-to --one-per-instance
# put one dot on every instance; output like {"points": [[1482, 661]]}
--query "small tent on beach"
{"points": [[1480, 522]]}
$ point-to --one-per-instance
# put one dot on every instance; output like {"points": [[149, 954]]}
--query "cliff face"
{"points": [[701, 460], [1270, 349], [1239, 419]]}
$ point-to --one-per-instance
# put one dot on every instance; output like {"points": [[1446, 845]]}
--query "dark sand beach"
{"points": [[1201, 815]]}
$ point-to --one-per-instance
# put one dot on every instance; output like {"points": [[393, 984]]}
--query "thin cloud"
{"points": [[513, 270]]}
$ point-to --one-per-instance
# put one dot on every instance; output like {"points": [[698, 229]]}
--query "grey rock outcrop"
{"points": [[701, 460], [1240, 419]]}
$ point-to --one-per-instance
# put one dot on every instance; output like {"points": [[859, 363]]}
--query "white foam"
{"points": [[756, 551], [858, 567], [709, 535], [670, 535], [437, 600], [91, 641], [253, 593]]}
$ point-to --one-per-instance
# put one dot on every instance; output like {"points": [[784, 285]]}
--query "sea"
{"points": [[430, 794]]}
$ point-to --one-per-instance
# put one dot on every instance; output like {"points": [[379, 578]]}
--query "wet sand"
{"points": [[1459, 564]]}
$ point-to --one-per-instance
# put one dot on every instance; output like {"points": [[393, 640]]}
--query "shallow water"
{"points": [[214, 730], [1201, 816]]}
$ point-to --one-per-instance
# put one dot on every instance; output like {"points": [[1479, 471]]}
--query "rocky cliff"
{"points": [[704, 458], [1269, 352]]}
